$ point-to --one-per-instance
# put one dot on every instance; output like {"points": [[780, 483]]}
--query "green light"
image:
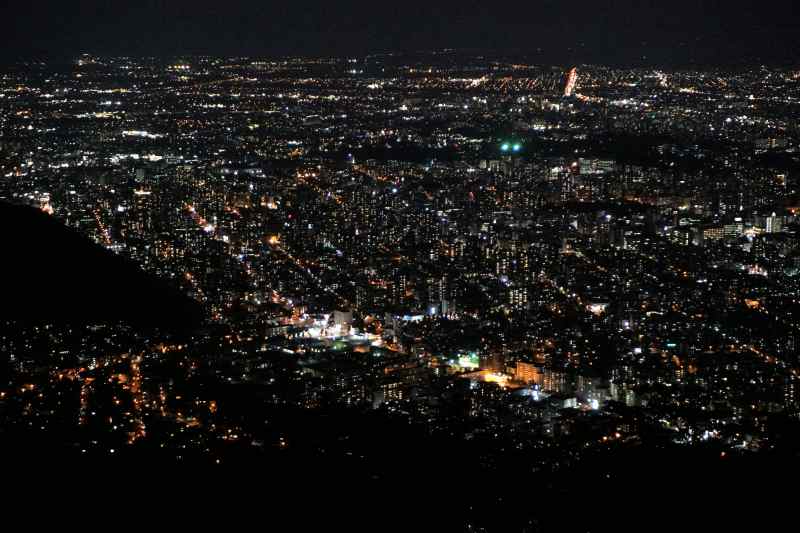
{"points": [[517, 147], [504, 147], [469, 362]]}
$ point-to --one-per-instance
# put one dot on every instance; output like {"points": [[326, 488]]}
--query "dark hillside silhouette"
{"points": [[51, 273]]}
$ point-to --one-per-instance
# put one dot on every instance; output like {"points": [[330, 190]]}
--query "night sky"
{"points": [[617, 32]]}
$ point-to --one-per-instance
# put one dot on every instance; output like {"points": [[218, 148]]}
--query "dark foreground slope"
{"points": [[52, 274]]}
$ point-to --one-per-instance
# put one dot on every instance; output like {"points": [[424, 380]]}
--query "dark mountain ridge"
{"points": [[53, 274]]}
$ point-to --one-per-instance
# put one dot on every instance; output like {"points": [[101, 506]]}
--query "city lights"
{"points": [[397, 267]]}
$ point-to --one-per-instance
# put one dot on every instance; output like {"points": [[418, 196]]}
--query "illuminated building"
{"points": [[774, 223], [528, 373]]}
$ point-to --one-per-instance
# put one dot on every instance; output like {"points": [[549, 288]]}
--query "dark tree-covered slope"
{"points": [[52, 274]]}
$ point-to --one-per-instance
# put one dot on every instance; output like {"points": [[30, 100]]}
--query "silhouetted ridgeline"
{"points": [[53, 274]]}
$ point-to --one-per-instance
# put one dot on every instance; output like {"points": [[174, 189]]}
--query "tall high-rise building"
{"points": [[774, 224]]}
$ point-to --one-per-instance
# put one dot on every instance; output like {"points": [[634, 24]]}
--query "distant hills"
{"points": [[53, 274]]}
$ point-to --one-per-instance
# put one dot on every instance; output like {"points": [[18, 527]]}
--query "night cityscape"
{"points": [[507, 286]]}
